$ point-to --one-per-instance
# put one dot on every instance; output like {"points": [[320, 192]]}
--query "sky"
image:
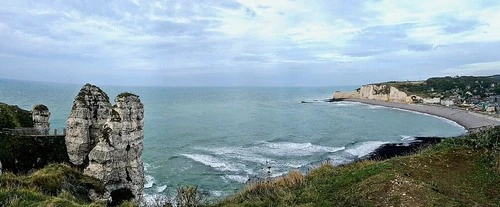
{"points": [[247, 43]]}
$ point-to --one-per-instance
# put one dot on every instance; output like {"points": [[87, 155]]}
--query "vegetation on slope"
{"points": [[461, 171], [448, 86], [54, 185], [12, 116], [20, 154]]}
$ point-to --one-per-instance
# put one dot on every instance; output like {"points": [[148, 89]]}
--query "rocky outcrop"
{"points": [[117, 157], [41, 115], [86, 123], [107, 141], [379, 93]]}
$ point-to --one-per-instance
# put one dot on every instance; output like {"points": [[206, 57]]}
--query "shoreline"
{"points": [[470, 121]]}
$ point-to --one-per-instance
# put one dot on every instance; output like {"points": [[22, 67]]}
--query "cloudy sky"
{"points": [[252, 43]]}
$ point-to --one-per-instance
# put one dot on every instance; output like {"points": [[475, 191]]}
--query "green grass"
{"points": [[462, 171], [12, 116], [54, 185]]}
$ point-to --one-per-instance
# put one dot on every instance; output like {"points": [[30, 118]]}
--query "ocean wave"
{"points": [[294, 149], [216, 163], [346, 103], [160, 189], [339, 160], [237, 178], [150, 181], [239, 153], [376, 107], [364, 148], [407, 138]]}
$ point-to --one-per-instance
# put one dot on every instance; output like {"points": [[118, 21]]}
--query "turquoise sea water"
{"points": [[218, 138]]}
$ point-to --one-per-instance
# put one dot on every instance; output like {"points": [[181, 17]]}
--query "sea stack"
{"points": [[107, 141], [41, 115], [85, 124]]}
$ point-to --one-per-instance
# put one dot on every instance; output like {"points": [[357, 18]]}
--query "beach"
{"points": [[469, 120]]}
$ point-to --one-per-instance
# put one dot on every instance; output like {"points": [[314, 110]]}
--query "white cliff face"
{"points": [[85, 123], [107, 142], [377, 92], [117, 157], [41, 115]]}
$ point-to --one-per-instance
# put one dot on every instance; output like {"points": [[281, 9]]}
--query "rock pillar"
{"points": [[107, 142], [41, 115]]}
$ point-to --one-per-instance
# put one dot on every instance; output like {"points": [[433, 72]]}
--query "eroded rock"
{"points": [[41, 116], [107, 142], [85, 123]]}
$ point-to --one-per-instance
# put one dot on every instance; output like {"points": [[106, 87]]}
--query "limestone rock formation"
{"points": [[117, 157], [107, 141], [41, 115], [85, 123], [379, 93]]}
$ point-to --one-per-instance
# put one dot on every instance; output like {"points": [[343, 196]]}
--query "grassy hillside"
{"points": [[54, 185], [447, 86], [457, 172], [12, 116]]}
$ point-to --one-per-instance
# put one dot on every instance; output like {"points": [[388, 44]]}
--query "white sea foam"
{"points": [[346, 103], [339, 160], [154, 199], [406, 137], [365, 148], [215, 163], [238, 153], [150, 181], [376, 107], [237, 178], [217, 193], [294, 149], [160, 189], [148, 167]]}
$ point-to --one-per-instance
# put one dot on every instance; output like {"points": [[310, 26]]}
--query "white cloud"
{"points": [[484, 68], [262, 37]]}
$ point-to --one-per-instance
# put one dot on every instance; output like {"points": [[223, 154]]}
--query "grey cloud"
{"points": [[453, 26], [420, 47], [377, 40], [175, 43]]}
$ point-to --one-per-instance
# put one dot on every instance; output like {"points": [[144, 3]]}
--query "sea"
{"points": [[219, 138]]}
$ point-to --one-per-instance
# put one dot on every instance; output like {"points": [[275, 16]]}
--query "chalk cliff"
{"points": [[107, 141], [85, 123], [41, 115], [378, 92]]}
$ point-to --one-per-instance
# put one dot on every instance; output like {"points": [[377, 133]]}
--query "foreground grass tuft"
{"points": [[54, 185]]}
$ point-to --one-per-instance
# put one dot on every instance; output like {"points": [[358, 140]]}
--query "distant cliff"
{"points": [[380, 92]]}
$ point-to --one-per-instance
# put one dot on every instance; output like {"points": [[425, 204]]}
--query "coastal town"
{"points": [[481, 94], [478, 94]]}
